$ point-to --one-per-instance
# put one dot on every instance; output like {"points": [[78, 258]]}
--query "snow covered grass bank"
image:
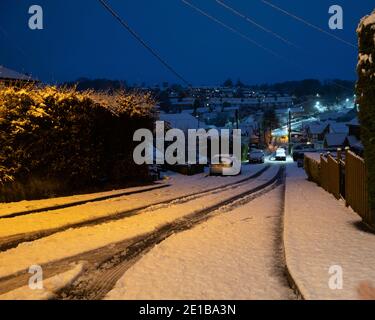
{"points": [[321, 236], [76, 241], [233, 255]]}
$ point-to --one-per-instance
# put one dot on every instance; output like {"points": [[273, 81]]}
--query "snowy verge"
{"points": [[324, 242], [50, 286]]}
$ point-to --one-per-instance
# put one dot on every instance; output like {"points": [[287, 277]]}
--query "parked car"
{"points": [[302, 148], [154, 172], [256, 156], [220, 162], [280, 154]]}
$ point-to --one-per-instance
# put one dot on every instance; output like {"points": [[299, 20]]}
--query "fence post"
{"points": [[321, 171], [347, 176]]}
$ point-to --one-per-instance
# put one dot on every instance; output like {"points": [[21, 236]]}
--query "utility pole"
{"points": [[289, 131], [237, 120]]}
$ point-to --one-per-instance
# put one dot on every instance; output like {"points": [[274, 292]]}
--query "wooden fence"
{"points": [[356, 194], [330, 175], [344, 177]]}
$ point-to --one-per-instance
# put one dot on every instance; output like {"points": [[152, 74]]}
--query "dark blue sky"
{"points": [[81, 39]]}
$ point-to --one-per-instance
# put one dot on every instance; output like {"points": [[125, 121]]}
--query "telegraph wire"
{"points": [[308, 23], [253, 22], [139, 39]]}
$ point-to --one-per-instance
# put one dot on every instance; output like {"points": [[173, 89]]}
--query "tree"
{"points": [[239, 84], [164, 102], [228, 83], [196, 105], [270, 119], [366, 100], [225, 105]]}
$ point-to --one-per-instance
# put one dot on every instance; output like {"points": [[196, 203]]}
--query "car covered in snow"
{"points": [[280, 154]]}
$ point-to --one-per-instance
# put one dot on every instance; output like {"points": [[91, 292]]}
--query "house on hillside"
{"points": [[11, 77], [334, 140], [338, 127], [353, 140], [354, 128], [317, 131], [182, 121]]}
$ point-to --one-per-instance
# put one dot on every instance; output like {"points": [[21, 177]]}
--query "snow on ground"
{"points": [[198, 182], [50, 286], [181, 185], [75, 241], [29, 205], [233, 255], [321, 232]]}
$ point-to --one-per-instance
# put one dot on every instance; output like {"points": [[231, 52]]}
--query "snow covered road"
{"points": [[235, 255], [75, 242]]}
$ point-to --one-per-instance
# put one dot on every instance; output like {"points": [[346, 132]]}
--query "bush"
{"points": [[57, 140], [366, 99]]}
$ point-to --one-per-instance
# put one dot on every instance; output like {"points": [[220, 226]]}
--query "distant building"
{"points": [[317, 131], [8, 76], [338, 127], [334, 140], [182, 121], [182, 103]]}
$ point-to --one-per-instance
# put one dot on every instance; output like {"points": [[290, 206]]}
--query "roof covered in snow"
{"points": [[338, 127], [317, 128], [354, 122], [183, 121], [335, 139], [354, 142], [9, 74]]}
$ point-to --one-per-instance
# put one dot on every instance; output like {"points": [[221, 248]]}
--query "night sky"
{"points": [[81, 39]]}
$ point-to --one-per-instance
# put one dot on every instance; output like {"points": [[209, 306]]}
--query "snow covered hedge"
{"points": [[58, 140], [366, 97]]}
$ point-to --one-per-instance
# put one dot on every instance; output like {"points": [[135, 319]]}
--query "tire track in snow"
{"points": [[98, 280], [13, 241]]}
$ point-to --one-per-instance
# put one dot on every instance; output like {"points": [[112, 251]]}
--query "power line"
{"points": [[308, 23], [252, 41], [231, 29], [137, 37], [255, 23]]}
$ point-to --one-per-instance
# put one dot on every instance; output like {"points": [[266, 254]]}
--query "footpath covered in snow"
{"points": [[324, 240]]}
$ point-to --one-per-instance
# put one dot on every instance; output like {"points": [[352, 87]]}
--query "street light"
{"points": [[289, 130]]}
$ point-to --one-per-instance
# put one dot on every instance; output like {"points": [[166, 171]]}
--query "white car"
{"points": [[280, 154]]}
